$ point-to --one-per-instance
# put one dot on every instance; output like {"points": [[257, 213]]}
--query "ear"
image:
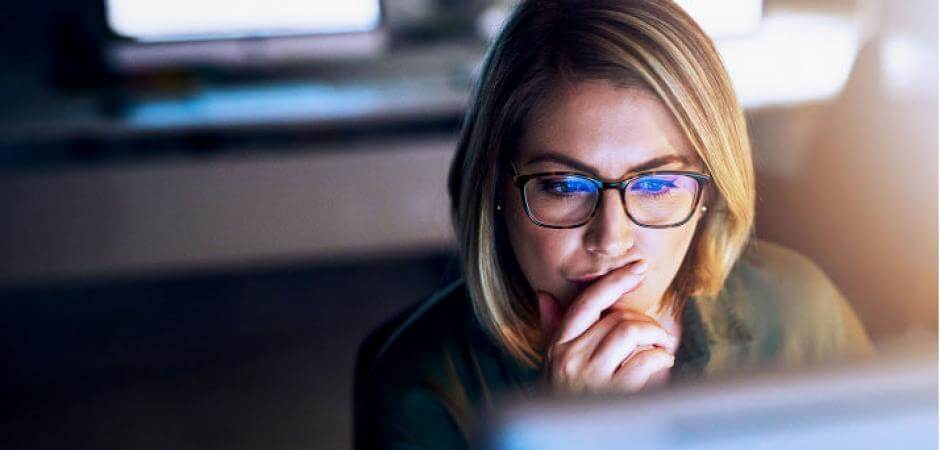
{"points": [[705, 206], [550, 313], [708, 199]]}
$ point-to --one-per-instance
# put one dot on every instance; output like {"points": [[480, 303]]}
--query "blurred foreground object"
{"points": [[885, 403]]}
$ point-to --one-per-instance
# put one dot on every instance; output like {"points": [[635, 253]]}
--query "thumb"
{"points": [[550, 313]]}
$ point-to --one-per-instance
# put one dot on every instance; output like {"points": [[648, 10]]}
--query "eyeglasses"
{"points": [[656, 199]]}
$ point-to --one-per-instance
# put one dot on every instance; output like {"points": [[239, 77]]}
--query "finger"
{"points": [[597, 330], [569, 358], [636, 371], [550, 313], [597, 297], [656, 321], [588, 341], [572, 359], [627, 337]]}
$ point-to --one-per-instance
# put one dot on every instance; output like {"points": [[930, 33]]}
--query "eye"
{"points": [[566, 186], [652, 185]]}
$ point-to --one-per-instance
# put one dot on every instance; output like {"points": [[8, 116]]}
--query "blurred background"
{"points": [[206, 205]]}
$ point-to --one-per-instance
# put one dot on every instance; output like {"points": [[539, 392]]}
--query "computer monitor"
{"points": [[881, 404], [150, 34]]}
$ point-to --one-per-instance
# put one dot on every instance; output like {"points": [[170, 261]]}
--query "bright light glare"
{"points": [[909, 67], [174, 20], [725, 18], [792, 58]]}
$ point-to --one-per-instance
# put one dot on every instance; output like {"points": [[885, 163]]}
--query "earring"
{"points": [[499, 207], [704, 208]]}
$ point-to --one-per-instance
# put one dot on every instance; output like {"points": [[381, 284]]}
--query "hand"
{"points": [[595, 348]]}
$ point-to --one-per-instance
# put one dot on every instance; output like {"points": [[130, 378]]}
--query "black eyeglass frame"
{"points": [[520, 181]]}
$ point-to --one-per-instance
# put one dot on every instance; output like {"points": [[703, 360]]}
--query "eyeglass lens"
{"points": [[569, 200]]}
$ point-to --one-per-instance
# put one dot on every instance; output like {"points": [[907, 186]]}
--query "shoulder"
{"points": [[419, 339], [781, 274], [791, 307], [414, 388], [778, 273], [770, 284]]}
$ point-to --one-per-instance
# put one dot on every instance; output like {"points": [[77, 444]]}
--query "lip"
{"points": [[585, 280]]}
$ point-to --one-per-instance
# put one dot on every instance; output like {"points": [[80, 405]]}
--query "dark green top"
{"points": [[438, 371]]}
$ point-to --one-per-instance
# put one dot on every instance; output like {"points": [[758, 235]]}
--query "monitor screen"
{"points": [[187, 20], [884, 403]]}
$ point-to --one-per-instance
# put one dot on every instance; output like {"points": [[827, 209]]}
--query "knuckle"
{"points": [[668, 358], [625, 329], [658, 333], [568, 369], [630, 331], [657, 358], [649, 330]]}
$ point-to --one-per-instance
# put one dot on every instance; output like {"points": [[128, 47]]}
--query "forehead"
{"points": [[610, 128]]}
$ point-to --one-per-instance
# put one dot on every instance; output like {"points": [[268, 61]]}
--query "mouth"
{"points": [[582, 282]]}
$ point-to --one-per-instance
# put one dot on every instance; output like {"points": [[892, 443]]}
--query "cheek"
{"points": [[540, 252], [666, 250]]}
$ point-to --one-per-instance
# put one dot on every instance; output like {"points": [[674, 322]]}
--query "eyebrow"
{"points": [[653, 163]]}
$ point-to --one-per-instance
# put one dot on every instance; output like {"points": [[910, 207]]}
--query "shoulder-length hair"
{"points": [[647, 44]]}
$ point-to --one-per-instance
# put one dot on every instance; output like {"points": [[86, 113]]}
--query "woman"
{"points": [[603, 197]]}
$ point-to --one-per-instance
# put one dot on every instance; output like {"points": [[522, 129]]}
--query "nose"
{"points": [[610, 233]]}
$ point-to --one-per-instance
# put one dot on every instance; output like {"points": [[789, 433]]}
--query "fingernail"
{"points": [[639, 267]]}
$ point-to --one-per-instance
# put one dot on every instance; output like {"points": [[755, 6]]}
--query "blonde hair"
{"points": [[648, 44]]}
